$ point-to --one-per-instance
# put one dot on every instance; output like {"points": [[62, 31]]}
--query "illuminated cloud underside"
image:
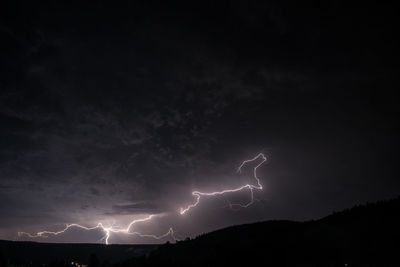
{"points": [[170, 233]]}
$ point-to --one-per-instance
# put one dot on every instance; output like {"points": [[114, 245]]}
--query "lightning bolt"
{"points": [[251, 187], [107, 230]]}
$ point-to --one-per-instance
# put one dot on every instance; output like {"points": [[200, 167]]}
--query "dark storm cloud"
{"points": [[111, 110], [134, 208]]}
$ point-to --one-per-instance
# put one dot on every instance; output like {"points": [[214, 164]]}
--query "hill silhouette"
{"points": [[366, 235]]}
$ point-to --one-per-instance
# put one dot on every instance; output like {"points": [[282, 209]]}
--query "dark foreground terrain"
{"points": [[14, 253], [367, 235]]}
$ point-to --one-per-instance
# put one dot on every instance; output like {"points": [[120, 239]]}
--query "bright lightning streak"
{"points": [[197, 194], [250, 187], [107, 230]]}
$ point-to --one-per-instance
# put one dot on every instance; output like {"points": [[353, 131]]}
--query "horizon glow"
{"points": [[127, 230]]}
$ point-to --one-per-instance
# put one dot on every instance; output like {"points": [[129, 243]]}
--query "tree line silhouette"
{"points": [[365, 235]]}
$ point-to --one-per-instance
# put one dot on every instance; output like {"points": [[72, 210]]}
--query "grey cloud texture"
{"points": [[110, 120]]}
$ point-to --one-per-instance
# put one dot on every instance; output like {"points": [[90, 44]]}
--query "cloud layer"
{"points": [[110, 112]]}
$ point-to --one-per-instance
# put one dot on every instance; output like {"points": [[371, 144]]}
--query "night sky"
{"points": [[111, 112]]}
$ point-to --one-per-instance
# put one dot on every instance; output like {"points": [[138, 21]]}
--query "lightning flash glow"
{"points": [[250, 187], [108, 230]]}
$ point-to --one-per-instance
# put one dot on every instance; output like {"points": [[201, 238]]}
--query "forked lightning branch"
{"points": [[129, 229]]}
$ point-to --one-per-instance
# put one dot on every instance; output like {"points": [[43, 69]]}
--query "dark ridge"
{"points": [[365, 235]]}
